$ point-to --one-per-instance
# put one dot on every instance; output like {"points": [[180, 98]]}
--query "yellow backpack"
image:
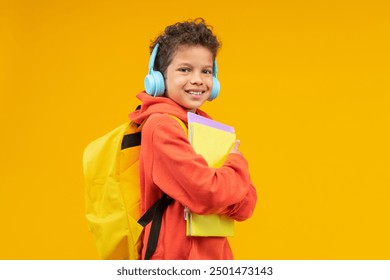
{"points": [[112, 195]]}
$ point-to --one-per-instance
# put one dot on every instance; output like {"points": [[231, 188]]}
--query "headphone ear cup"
{"points": [[154, 84], [215, 89]]}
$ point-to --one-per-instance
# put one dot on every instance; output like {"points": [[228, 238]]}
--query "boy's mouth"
{"points": [[194, 92]]}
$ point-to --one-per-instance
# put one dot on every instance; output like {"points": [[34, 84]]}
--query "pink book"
{"points": [[205, 121]]}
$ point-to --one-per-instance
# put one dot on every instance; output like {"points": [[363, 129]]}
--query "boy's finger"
{"points": [[237, 144]]}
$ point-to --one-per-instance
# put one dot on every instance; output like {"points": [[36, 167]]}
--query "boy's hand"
{"points": [[235, 147]]}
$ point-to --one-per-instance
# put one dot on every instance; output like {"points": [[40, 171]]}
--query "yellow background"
{"points": [[305, 83]]}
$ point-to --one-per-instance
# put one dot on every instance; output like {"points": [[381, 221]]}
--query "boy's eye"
{"points": [[209, 72], [184, 69]]}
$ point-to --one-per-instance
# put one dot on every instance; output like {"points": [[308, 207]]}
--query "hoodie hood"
{"points": [[161, 105]]}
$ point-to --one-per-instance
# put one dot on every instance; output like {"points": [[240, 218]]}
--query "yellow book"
{"points": [[212, 140]]}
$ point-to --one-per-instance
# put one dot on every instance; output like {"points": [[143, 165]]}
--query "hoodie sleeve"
{"points": [[185, 176]]}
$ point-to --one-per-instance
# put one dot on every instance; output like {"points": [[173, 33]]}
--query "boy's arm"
{"points": [[244, 209], [185, 176]]}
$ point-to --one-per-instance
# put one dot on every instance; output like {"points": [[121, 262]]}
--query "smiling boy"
{"points": [[185, 56]]}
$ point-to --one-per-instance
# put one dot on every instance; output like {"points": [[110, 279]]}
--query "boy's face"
{"points": [[189, 77]]}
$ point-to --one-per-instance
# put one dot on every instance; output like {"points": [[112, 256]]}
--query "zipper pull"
{"points": [[186, 213]]}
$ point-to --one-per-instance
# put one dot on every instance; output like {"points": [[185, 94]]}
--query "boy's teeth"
{"points": [[195, 92]]}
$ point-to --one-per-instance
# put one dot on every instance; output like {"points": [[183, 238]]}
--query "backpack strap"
{"points": [[132, 139], [154, 214], [182, 124]]}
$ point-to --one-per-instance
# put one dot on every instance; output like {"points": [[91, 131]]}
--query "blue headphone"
{"points": [[154, 81]]}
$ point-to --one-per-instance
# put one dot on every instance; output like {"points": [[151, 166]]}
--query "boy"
{"points": [[185, 55]]}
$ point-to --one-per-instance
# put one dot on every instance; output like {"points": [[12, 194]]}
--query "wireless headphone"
{"points": [[154, 81]]}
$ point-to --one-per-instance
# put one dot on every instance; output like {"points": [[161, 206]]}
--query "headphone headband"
{"points": [[152, 58]]}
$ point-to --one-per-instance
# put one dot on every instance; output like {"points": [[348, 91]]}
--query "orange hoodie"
{"points": [[169, 164]]}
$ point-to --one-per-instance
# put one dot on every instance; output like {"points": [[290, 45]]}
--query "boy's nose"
{"points": [[196, 79]]}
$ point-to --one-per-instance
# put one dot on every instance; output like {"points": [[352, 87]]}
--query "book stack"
{"points": [[212, 140]]}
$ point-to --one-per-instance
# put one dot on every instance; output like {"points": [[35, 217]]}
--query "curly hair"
{"points": [[190, 33]]}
